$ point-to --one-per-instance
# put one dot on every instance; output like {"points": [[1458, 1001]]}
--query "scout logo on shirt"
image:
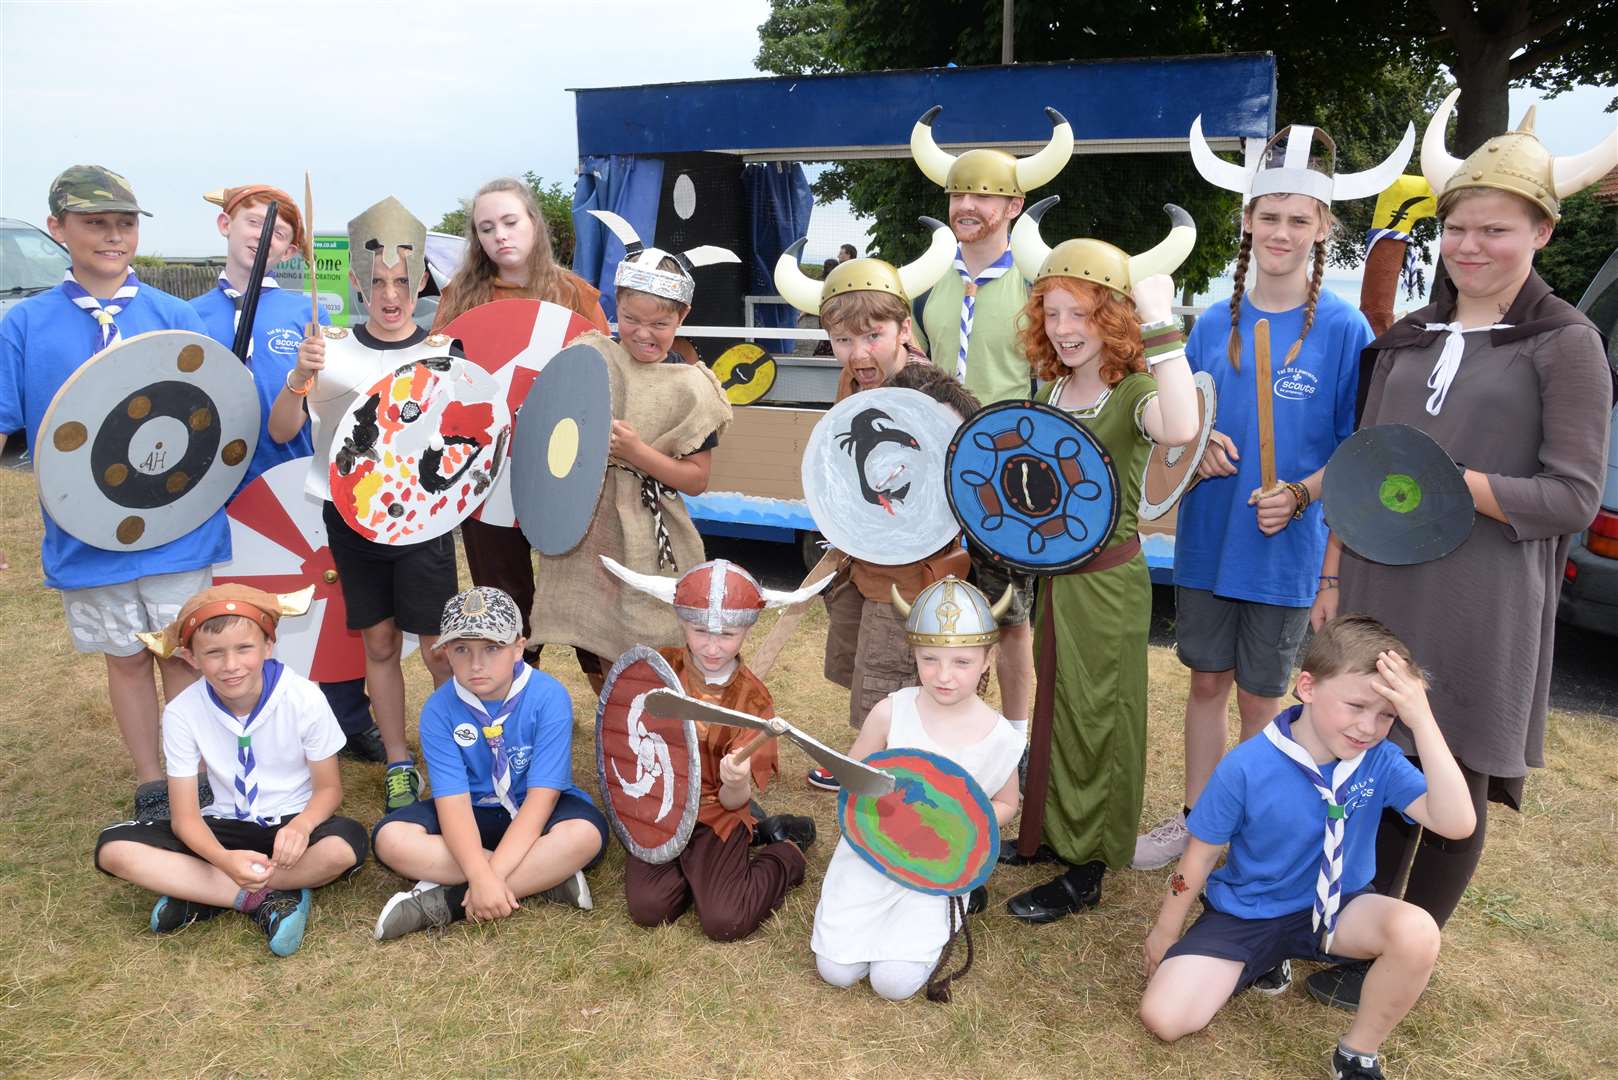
{"points": [[520, 757], [283, 342], [466, 734], [1296, 384], [1359, 793]]}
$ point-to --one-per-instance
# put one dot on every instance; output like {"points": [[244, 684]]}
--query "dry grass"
{"points": [[1524, 986]]}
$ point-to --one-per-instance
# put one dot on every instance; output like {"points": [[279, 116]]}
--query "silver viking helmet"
{"points": [[951, 613], [715, 595], [638, 269], [389, 232], [866, 275], [1298, 160], [1097, 260], [990, 172]]}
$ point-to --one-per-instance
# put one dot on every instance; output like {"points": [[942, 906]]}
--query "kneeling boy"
{"points": [[1323, 768], [506, 820], [269, 742]]}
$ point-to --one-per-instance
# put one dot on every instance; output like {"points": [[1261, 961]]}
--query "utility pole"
{"points": [[1006, 31]]}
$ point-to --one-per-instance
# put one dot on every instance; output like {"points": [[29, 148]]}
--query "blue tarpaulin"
{"points": [[628, 186], [781, 201]]}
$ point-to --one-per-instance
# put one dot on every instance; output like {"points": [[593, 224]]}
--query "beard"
{"points": [[988, 221]]}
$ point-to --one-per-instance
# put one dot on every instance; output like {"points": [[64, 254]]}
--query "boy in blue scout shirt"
{"points": [[1299, 808], [108, 596], [506, 820]]}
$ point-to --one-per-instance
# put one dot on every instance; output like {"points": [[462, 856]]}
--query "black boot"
{"points": [[788, 828], [1339, 986], [977, 901], [1076, 888]]}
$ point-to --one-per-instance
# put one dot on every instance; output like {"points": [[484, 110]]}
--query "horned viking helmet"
{"points": [[951, 613], [1097, 260], [638, 269], [865, 275], [715, 595], [1298, 160], [990, 172]]}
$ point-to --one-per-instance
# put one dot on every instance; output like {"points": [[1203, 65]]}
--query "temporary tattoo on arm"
{"points": [[1177, 884]]}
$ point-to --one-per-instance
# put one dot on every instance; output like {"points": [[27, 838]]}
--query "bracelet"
{"points": [[1329, 581], [1300, 496], [294, 391]]}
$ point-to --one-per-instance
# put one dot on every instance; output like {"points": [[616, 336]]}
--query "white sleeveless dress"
{"points": [[864, 917]]}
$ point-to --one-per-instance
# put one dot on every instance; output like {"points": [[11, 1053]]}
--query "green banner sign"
{"points": [[331, 274]]}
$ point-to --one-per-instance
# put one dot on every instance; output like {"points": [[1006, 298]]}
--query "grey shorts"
{"points": [[992, 579], [105, 619], [1259, 641]]}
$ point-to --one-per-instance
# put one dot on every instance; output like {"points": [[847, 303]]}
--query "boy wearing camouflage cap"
{"points": [[109, 596]]}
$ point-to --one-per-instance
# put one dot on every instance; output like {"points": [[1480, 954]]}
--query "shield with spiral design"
{"points": [[648, 768]]}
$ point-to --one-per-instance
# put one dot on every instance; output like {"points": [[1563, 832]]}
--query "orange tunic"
{"points": [[743, 693], [579, 295]]}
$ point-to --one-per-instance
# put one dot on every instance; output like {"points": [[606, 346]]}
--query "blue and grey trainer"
{"points": [[284, 916], [170, 914]]}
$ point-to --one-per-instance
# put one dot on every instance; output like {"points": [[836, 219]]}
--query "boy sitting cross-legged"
{"points": [[1321, 769], [269, 742], [505, 821]]}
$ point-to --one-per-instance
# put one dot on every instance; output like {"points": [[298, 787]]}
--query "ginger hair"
{"points": [[1317, 277], [1113, 313]]}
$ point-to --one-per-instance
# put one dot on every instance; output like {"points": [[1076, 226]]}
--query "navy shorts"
{"points": [[493, 821], [1257, 944], [233, 834]]}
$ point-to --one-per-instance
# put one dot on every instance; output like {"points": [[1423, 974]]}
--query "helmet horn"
{"points": [[899, 604], [920, 275], [1436, 163], [1003, 605], [797, 288], [623, 230], [1041, 168], [934, 163], [1028, 247], [1167, 256], [1215, 169], [1577, 172], [1376, 180]]}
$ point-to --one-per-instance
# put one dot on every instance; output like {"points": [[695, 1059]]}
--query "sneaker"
{"points": [[825, 781], [788, 828], [1345, 1066], [1339, 986], [1275, 981], [1165, 843], [152, 801], [283, 915], [366, 746], [977, 901], [402, 786], [574, 892], [417, 909], [169, 914]]}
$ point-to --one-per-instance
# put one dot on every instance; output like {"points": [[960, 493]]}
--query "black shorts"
{"points": [[233, 834], [1257, 944], [493, 821], [407, 583]]}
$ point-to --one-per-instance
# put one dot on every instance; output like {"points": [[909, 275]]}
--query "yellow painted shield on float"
{"points": [[1406, 202], [746, 372]]}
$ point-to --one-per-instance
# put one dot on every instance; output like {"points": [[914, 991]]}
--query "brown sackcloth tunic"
{"points": [[674, 408], [1529, 407], [734, 891]]}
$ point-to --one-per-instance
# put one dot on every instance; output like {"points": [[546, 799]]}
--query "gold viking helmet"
{"points": [[389, 232], [990, 172], [865, 275], [951, 614], [1516, 162], [1097, 260]]}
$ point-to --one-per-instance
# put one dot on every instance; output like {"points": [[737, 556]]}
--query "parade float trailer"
{"points": [[721, 163]]}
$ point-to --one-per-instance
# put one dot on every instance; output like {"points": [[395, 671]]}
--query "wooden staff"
{"points": [[777, 730], [764, 659], [1266, 407], [309, 253]]}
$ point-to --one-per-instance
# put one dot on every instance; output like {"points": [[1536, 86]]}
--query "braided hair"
{"points": [[1315, 279], [1233, 347]]}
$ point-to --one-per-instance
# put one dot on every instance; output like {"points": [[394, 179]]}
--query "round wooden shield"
{"points": [[746, 372], [873, 475], [1172, 470], [513, 340], [418, 451], [648, 768], [559, 449], [935, 832], [278, 544], [1393, 496], [1032, 487], [146, 440]]}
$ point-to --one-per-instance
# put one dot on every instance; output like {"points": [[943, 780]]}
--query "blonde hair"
{"points": [[1349, 645], [1233, 345], [473, 283], [859, 312]]}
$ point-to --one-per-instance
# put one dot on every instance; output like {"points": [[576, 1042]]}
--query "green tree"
{"points": [[1584, 238], [555, 203]]}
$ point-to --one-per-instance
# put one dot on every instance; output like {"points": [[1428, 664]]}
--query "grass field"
{"points": [[1524, 987]]}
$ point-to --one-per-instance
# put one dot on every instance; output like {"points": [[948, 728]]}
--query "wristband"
{"points": [[1328, 581], [294, 391], [1300, 496], [1161, 341]]}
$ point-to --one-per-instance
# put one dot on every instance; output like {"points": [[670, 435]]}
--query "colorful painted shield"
{"points": [[278, 544], [559, 449], [746, 372], [935, 832], [648, 768], [1392, 495], [1032, 487], [873, 475], [1172, 470], [418, 451], [146, 440], [513, 340]]}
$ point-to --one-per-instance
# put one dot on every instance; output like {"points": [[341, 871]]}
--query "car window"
{"points": [[1600, 304], [29, 260]]}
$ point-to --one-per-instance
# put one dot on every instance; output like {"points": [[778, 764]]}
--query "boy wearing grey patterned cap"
{"points": [[505, 820]]}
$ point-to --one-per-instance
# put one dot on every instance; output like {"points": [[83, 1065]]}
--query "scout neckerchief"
{"points": [[969, 300], [1449, 359], [493, 726], [102, 311], [1329, 884], [236, 295], [245, 786]]}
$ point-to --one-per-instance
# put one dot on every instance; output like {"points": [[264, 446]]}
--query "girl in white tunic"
{"points": [[868, 925]]}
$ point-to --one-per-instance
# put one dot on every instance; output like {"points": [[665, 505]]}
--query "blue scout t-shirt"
{"points": [[277, 332], [43, 341], [538, 737], [1273, 818], [1217, 544]]}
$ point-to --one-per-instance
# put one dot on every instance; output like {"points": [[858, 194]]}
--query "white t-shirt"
{"points": [[296, 727]]}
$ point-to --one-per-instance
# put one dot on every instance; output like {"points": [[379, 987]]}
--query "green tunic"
{"points": [[1098, 723]]}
